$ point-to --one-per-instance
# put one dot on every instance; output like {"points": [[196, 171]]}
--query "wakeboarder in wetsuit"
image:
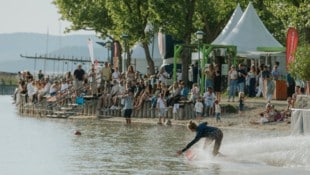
{"points": [[203, 130]]}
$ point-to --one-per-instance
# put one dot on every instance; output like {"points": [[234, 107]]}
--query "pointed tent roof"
{"points": [[138, 51], [235, 17], [250, 33]]}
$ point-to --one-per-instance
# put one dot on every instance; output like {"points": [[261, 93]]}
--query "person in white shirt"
{"points": [[198, 108], [64, 86], [116, 74], [161, 107], [163, 75], [217, 110], [31, 90]]}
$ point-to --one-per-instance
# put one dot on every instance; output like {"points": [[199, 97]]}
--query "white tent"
{"points": [[138, 55], [249, 34], [138, 51], [235, 17]]}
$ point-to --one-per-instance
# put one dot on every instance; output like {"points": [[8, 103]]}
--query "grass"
{"points": [[8, 79]]}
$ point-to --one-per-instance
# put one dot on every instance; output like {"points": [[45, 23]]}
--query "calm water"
{"points": [[36, 146]]}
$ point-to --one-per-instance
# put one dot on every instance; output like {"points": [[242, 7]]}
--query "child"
{"points": [[128, 106], [209, 97], [241, 102], [161, 107], [194, 92], [217, 110], [198, 108]]}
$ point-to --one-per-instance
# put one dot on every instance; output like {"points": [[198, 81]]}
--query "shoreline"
{"points": [[229, 120]]}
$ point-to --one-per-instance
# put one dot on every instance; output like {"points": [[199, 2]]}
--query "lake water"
{"points": [[36, 146]]}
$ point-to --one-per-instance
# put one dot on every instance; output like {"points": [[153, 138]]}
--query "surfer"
{"points": [[203, 130]]}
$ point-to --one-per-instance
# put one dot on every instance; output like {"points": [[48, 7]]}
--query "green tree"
{"points": [[300, 67], [294, 13]]}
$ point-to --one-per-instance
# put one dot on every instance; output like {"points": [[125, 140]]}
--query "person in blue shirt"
{"points": [[184, 91], [204, 131]]}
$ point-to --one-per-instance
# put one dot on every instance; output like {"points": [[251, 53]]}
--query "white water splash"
{"points": [[257, 153]]}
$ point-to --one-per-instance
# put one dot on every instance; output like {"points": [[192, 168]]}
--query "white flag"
{"points": [[91, 50]]}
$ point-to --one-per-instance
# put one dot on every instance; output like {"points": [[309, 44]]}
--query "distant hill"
{"points": [[30, 44]]}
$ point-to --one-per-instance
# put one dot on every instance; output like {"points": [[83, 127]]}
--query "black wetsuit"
{"points": [[212, 133]]}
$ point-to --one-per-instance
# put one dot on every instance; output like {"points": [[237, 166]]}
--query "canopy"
{"points": [[235, 17], [248, 34]]}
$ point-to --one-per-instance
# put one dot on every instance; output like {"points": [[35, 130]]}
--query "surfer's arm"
{"points": [[196, 139]]}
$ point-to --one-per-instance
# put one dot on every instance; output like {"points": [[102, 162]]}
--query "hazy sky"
{"points": [[38, 16]]}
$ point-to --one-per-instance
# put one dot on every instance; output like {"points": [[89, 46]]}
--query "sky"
{"points": [[34, 16]]}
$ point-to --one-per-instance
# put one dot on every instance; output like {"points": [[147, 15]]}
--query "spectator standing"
{"points": [[217, 110], [161, 107], [260, 81], [195, 72], [232, 79], [241, 77], [79, 75], [40, 75], [275, 73], [199, 108], [128, 106], [130, 74], [252, 81], [270, 89], [265, 76], [209, 98], [92, 76], [209, 73], [217, 82], [106, 75], [290, 83]]}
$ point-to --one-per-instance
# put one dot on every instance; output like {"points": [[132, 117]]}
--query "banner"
{"points": [[91, 50], [291, 45], [162, 45]]}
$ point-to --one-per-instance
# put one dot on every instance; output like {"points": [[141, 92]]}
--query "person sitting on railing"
{"points": [[145, 96], [54, 89], [22, 90], [31, 90], [138, 90], [46, 89], [175, 94], [194, 93], [86, 88], [115, 92], [184, 91], [64, 90]]}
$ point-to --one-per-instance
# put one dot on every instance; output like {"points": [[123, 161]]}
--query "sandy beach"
{"points": [[253, 106]]}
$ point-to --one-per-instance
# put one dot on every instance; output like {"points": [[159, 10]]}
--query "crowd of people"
{"points": [[112, 86]]}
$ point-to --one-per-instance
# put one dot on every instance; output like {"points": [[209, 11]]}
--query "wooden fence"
{"points": [[92, 107]]}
